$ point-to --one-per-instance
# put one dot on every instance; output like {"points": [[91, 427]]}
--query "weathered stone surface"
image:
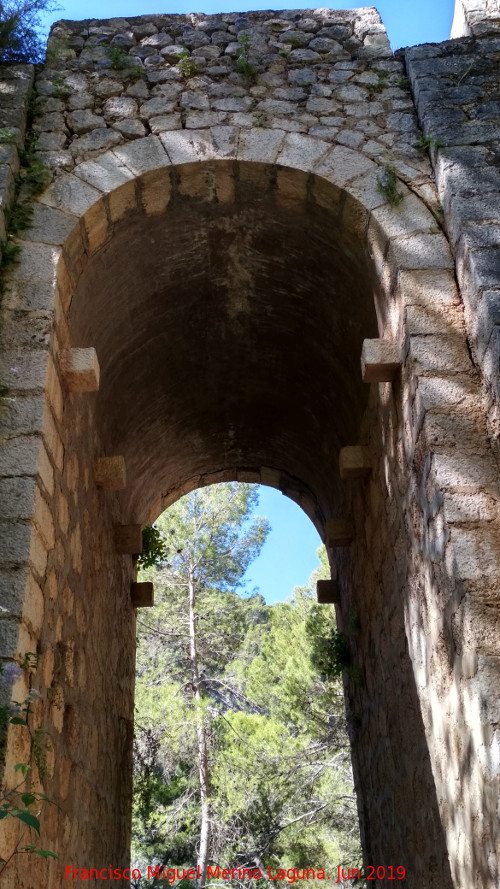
{"points": [[80, 370], [227, 267]]}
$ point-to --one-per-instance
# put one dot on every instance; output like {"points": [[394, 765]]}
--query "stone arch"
{"points": [[408, 558]]}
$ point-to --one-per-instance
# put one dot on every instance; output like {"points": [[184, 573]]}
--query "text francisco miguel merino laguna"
{"points": [[174, 874]]}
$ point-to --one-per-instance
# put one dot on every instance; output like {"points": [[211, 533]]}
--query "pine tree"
{"points": [[199, 622]]}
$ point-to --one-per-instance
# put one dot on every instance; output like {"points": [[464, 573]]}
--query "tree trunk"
{"points": [[202, 746]]}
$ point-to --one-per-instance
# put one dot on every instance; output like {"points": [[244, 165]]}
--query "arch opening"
{"points": [[266, 775]]}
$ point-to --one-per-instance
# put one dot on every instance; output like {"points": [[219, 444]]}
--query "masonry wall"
{"points": [[315, 129]]}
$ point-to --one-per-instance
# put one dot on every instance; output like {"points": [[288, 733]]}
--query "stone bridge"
{"points": [[269, 252]]}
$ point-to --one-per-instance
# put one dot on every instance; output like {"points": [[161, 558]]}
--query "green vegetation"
{"points": [[244, 64], [19, 802], [459, 78], [62, 91], [374, 89], [388, 185], [186, 65], [32, 178], [425, 142], [259, 120], [154, 549], [7, 135], [20, 25], [241, 753], [117, 57], [294, 40]]}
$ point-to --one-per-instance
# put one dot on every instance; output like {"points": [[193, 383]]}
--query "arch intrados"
{"points": [[90, 205]]}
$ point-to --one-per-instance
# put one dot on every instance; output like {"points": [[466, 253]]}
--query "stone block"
{"points": [[49, 226], [261, 145], [110, 473], [423, 251], [70, 194], [12, 590], [121, 201], [15, 539], [430, 288], [183, 146], [142, 155], [105, 174], [380, 361], [472, 554], [142, 595], [464, 471], [96, 226], [128, 539], [9, 635], [339, 532], [327, 592], [19, 456], [342, 165], [17, 498], [301, 152], [468, 664], [439, 354], [80, 370], [355, 462], [248, 476], [270, 477]]}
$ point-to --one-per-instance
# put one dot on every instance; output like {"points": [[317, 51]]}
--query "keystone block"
{"points": [[128, 539], [339, 532], [355, 462], [80, 370], [142, 595], [379, 361], [327, 591], [110, 473]]}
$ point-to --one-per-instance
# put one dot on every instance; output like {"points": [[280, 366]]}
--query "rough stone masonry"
{"points": [[269, 253]]}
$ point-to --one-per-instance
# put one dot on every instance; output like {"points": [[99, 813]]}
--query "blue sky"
{"points": [[289, 555]]}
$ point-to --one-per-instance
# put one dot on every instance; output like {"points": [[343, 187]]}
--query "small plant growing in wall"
{"points": [[380, 84], [425, 142], [117, 57], [61, 90], [32, 178], [388, 185], [331, 651], [186, 65], [154, 550], [20, 802], [244, 63]]}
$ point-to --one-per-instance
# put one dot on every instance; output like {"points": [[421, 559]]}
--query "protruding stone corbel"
{"points": [[128, 539], [339, 532], [327, 592], [110, 473], [80, 370], [468, 664], [354, 462], [142, 595], [380, 361]]}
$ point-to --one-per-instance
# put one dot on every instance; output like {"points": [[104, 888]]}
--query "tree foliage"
{"points": [[279, 788], [20, 27]]}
